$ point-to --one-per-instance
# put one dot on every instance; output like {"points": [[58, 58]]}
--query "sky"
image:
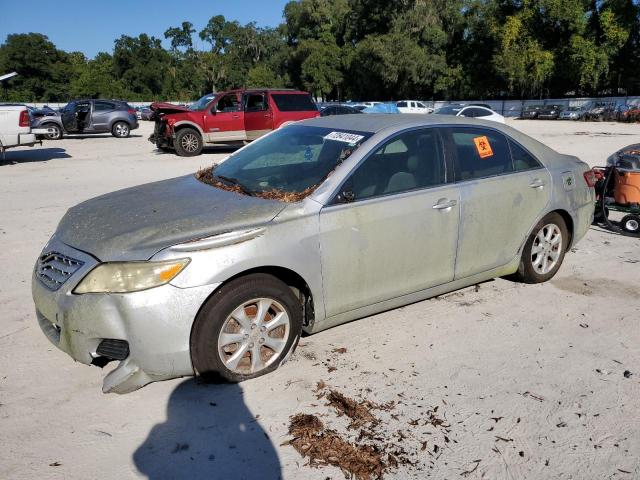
{"points": [[91, 26]]}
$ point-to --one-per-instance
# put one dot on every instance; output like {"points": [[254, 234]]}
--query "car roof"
{"points": [[270, 90], [376, 122]]}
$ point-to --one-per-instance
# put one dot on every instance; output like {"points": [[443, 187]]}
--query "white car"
{"points": [[471, 111], [413, 106]]}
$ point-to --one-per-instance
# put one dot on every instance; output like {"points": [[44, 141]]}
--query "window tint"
{"points": [[420, 105], [256, 102], [293, 102], [411, 160], [522, 160], [104, 106], [401, 104], [479, 153], [228, 103]]}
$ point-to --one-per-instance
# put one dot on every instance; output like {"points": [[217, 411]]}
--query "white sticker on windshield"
{"points": [[350, 138]]}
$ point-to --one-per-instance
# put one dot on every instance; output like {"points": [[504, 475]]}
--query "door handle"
{"points": [[537, 183], [444, 204], [235, 116]]}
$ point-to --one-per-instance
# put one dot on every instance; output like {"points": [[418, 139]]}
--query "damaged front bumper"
{"points": [[160, 136], [147, 332]]}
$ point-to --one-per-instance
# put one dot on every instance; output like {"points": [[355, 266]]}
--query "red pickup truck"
{"points": [[235, 116]]}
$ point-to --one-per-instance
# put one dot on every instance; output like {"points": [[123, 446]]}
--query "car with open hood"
{"points": [[235, 116], [318, 223]]}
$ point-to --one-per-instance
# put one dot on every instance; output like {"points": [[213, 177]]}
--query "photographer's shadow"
{"points": [[209, 433]]}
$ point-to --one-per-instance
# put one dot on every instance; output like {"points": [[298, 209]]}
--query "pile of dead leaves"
{"points": [[206, 175], [325, 447], [369, 456]]}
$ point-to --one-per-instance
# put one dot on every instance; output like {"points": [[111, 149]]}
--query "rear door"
{"points": [[258, 116], [102, 112], [398, 233], [501, 199], [225, 120]]}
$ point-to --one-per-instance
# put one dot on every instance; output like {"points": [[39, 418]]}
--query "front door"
{"points": [[398, 233], [258, 116], [225, 121], [502, 197], [68, 117]]}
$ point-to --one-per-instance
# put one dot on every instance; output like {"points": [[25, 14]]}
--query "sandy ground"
{"points": [[528, 380]]}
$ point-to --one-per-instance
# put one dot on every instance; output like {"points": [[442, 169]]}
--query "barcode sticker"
{"points": [[350, 138]]}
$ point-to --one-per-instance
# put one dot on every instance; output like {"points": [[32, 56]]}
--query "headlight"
{"points": [[123, 277]]}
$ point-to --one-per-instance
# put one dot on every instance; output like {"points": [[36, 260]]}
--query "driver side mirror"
{"points": [[346, 196]]}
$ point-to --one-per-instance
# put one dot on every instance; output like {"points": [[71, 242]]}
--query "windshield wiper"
{"points": [[234, 181]]}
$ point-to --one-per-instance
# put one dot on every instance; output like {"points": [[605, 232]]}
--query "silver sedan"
{"points": [[316, 224]]}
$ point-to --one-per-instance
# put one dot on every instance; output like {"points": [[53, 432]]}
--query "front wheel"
{"points": [[544, 250], [120, 130], [246, 329], [188, 143]]}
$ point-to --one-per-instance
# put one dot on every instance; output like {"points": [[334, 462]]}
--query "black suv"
{"points": [[91, 116]]}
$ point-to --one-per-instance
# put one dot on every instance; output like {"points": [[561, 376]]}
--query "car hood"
{"points": [[136, 223], [163, 107]]}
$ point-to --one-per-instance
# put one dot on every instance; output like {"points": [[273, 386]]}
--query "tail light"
{"points": [[590, 178], [131, 111], [25, 120]]}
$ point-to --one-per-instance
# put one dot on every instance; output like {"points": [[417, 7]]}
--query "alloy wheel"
{"points": [[546, 249], [189, 142], [122, 130], [254, 336]]}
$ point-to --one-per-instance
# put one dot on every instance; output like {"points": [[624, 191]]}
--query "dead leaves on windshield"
{"points": [[205, 175]]}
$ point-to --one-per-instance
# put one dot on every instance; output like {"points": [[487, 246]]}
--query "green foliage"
{"points": [[358, 49]]}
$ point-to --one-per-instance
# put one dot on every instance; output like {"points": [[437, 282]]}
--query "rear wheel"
{"points": [[188, 143], [56, 133], [120, 130], [246, 329], [544, 250], [631, 223]]}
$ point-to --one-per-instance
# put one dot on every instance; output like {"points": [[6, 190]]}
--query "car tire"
{"points": [[631, 224], [541, 256], [188, 142], [215, 353], [121, 130], [53, 136]]}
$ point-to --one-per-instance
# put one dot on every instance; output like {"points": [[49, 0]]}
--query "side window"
{"points": [[294, 102], [479, 153], [466, 112], [228, 103], [420, 105], [522, 160], [481, 112], [401, 104], [256, 102], [103, 106], [409, 161]]}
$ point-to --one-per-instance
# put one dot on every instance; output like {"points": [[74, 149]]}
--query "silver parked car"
{"points": [[316, 224]]}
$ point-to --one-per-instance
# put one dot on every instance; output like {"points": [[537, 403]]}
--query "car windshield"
{"points": [[449, 110], [202, 103], [286, 165]]}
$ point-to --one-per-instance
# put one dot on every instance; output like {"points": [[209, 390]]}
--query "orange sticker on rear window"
{"points": [[483, 147]]}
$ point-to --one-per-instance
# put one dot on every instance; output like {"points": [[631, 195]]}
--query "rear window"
{"points": [[480, 153], [287, 102]]}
